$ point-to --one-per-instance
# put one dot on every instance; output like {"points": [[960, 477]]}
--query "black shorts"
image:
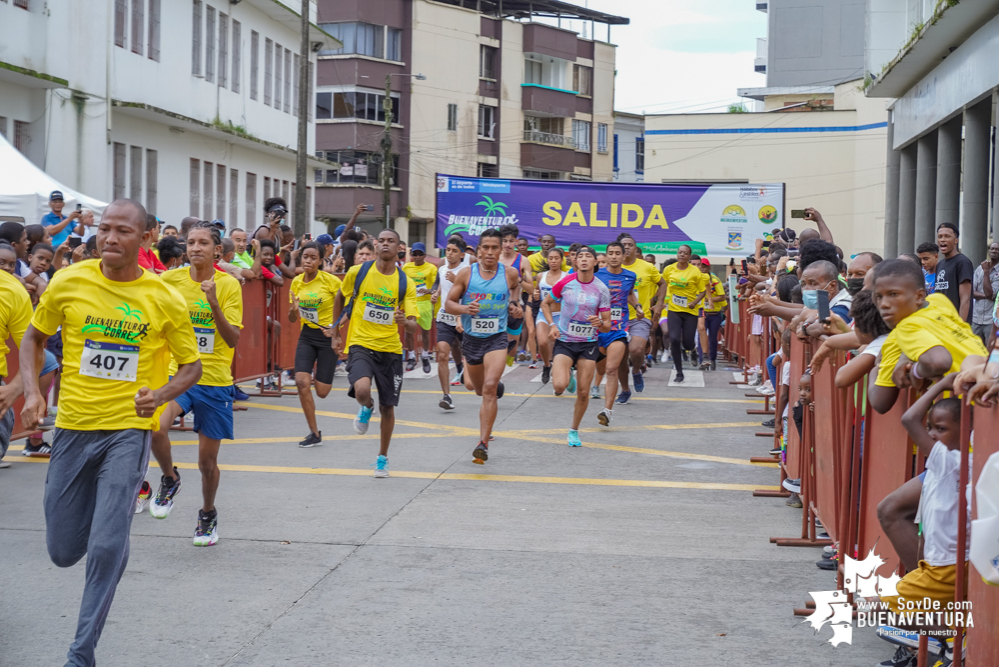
{"points": [[315, 349], [475, 349], [384, 367], [588, 350], [446, 333]]}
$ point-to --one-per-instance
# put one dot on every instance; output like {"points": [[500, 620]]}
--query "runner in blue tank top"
{"points": [[614, 344], [486, 295]]}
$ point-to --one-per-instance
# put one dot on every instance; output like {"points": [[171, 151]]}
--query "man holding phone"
{"points": [[823, 276], [55, 222], [84, 229]]}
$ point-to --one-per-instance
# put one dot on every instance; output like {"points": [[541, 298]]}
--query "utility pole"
{"points": [[301, 221], [387, 153]]}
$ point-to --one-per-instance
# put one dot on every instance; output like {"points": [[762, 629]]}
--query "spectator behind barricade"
{"points": [[171, 251], [823, 276], [857, 270], [815, 250], [85, 228], [930, 338], [58, 225], [8, 258], [224, 261], [984, 290], [39, 261], [954, 271], [170, 230], [275, 210], [348, 252], [365, 252], [927, 253], [241, 256], [147, 259], [14, 234], [185, 227], [264, 256], [868, 335]]}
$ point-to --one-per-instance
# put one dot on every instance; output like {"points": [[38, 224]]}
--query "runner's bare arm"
{"points": [[30, 360], [513, 280], [293, 308], [453, 304], [546, 309]]}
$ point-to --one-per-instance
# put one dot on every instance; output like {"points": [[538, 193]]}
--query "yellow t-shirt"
{"points": [[716, 289], [216, 356], [15, 315], [372, 321], [539, 263], [938, 324], [646, 285], [683, 286], [423, 276], [117, 338], [315, 298], [890, 354]]}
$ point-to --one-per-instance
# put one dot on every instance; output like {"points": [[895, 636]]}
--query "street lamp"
{"points": [[386, 144]]}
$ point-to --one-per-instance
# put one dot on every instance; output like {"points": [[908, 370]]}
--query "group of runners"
{"points": [[141, 350]]}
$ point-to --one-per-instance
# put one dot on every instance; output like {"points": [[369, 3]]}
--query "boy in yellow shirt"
{"points": [[422, 273]]}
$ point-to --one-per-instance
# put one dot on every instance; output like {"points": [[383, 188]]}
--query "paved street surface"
{"points": [[644, 547]]}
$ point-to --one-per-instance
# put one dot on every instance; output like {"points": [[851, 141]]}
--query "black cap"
{"points": [[56, 196], [277, 208]]}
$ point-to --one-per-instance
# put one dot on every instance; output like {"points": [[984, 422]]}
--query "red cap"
{"points": [[705, 262]]}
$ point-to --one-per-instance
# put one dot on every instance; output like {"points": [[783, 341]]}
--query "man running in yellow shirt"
{"points": [[647, 278], [423, 274], [120, 325]]}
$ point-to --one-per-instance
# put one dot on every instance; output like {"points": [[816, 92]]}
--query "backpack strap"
{"points": [[362, 273]]}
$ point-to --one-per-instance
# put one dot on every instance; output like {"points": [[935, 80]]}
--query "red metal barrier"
{"points": [[983, 639]]}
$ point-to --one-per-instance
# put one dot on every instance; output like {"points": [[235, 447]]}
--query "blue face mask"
{"points": [[810, 299]]}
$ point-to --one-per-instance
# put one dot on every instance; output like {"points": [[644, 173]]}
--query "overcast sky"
{"points": [[682, 55]]}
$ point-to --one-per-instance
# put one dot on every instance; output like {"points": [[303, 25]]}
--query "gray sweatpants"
{"points": [[93, 480]]}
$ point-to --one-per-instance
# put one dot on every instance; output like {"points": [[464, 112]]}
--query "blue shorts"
{"points": [[51, 364], [605, 339], [212, 410]]}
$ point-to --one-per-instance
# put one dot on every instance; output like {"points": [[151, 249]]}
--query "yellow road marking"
{"points": [[637, 427], [344, 415]]}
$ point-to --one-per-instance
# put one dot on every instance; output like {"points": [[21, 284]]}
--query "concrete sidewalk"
{"points": [[643, 547]]}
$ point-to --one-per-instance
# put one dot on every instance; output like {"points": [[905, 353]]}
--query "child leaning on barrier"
{"points": [[868, 335]]}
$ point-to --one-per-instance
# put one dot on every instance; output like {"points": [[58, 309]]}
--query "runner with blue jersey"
{"points": [[486, 295], [585, 314], [614, 343]]}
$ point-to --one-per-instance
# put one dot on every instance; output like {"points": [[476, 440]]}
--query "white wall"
{"points": [[627, 130]]}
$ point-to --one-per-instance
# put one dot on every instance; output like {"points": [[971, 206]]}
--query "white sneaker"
{"points": [[595, 392], [381, 467], [766, 389], [604, 417], [664, 357]]}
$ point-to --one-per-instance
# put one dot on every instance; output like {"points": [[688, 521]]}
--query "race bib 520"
{"points": [[485, 326]]}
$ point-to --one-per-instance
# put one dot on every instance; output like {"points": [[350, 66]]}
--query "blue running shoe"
{"points": [[381, 466], [638, 381], [624, 398], [574, 438], [572, 381], [362, 419], [239, 395]]}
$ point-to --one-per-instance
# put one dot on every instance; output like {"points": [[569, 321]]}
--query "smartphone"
{"points": [[308, 237], [798, 213], [369, 207], [79, 207], [74, 242], [823, 297], [792, 252], [745, 268]]}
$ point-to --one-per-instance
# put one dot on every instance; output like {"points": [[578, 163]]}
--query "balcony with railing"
{"points": [[549, 139]]}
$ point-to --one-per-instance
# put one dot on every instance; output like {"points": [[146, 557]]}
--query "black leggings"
{"points": [[314, 349], [713, 322], [682, 331]]}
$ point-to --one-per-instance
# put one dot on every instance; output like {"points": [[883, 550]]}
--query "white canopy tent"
{"points": [[25, 189]]}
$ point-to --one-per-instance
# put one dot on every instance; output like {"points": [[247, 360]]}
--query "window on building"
{"points": [[355, 104], [295, 88], [487, 122], [135, 173], [138, 26], [284, 194], [237, 48], [3, 126], [487, 61], [543, 175], [581, 134], [267, 187], [223, 50], [602, 137], [358, 167], [278, 75], [393, 45], [555, 126], [309, 77], [120, 12], [582, 79], [233, 198], [251, 200], [452, 117], [486, 170], [268, 50], [533, 72], [365, 39], [324, 105], [254, 58], [151, 189], [206, 197], [287, 81], [196, 40], [220, 192], [210, 45], [118, 171], [154, 30], [640, 155], [21, 138], [195, 185]]}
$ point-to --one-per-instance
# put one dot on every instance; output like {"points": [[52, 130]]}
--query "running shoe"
{"points": [[239, 395], [4, 464], [163, 503], [694, 362], [500, 390], [546, 375], [522, 356], [207, 532], [664, 357], [828, 565], [458, 379], [426, 364], [572, 381], [411, 364], [679, 377], [534, 365], [776, 451], [510, 359], [705, 366], [714, 365], [574, 440], [624, 398], [446, 403], [595, 392], [42, 450], [794, 500], [792, 485], [362, 419], [768, 423], [312, 440], [638, 381], [481, 453], [142, 502], [381, 467], [650, 359], [604, 417], [903, 658]]}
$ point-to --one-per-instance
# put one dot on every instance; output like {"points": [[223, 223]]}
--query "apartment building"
{"points": [[188, 106], [507, 93], [629, 147]]}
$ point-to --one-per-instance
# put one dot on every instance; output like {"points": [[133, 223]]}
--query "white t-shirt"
{"points": [[874, 348], [785, 374], [445, 286], [938, 506]]}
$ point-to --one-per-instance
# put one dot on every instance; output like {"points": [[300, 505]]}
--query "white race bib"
{"points": [[377, 314], [421, 289], [485, 326], [309, 315], [110, 361], [679, 301], [581, 329], [206, 339], [616, 314], [447, 318]]}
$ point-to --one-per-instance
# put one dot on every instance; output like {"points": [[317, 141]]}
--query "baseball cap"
{"points": [[277, 208], [218, 223], [705, 262], [418, 247], [56, 196], [324, 239], [339, 230]]}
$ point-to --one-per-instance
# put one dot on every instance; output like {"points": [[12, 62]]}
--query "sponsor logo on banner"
{"points": [[734, 239], [442, 183], [495, 215], [734, 214], [752, 193], [767, 215]]}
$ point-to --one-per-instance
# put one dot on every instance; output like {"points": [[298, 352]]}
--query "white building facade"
{"points": [[189, 106], [629, 147]]}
